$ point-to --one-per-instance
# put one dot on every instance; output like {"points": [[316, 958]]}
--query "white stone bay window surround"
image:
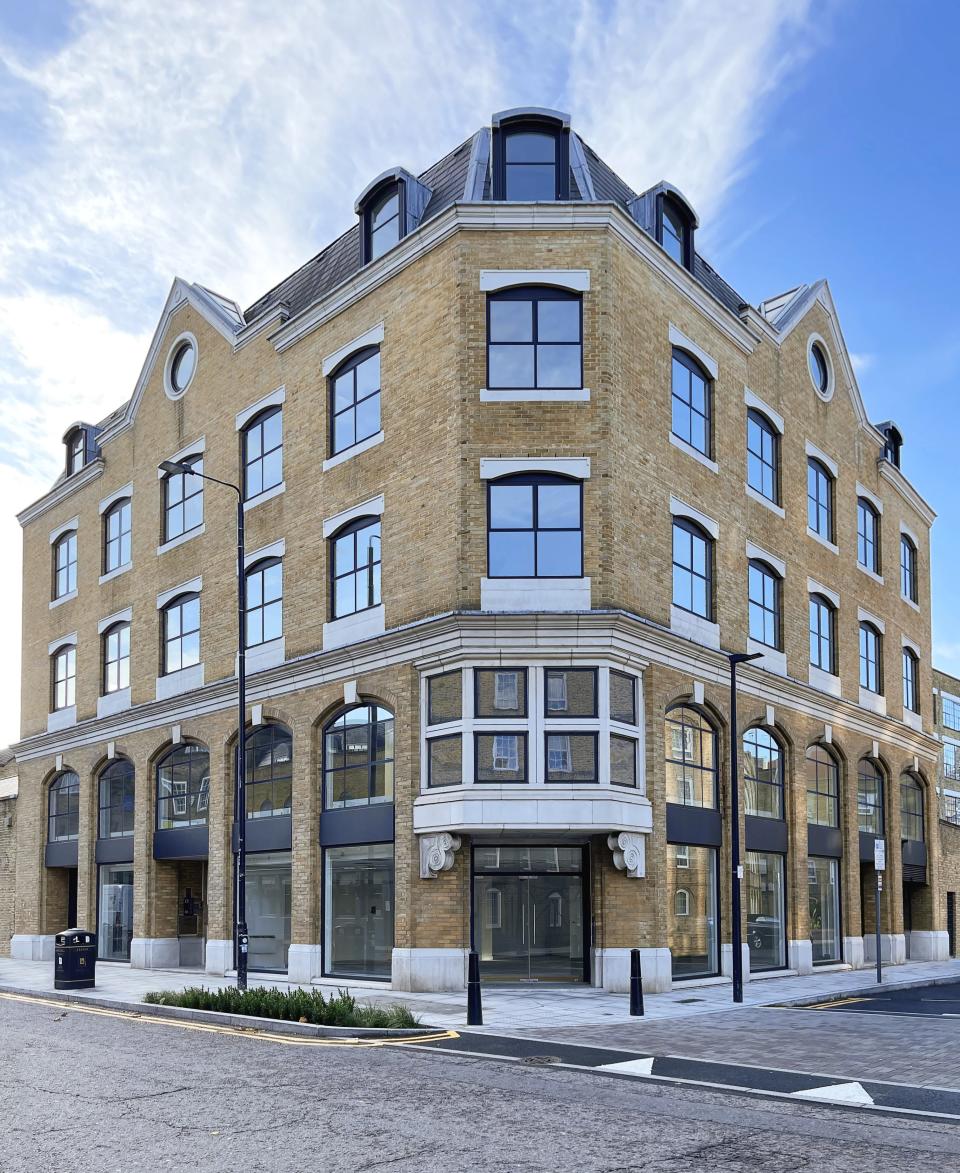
{"points": [[569, 752]]}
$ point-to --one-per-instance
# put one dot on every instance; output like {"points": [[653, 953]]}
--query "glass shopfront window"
{"points": [[766, 922], [692, 910], [268, 909], [823, 877], [358, 911], [115, 919]]}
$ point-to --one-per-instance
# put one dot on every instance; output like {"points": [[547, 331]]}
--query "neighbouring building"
{"points": [[946, 701], [519, 469], [8, 846]]}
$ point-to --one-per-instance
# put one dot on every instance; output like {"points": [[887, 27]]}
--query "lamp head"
{"points": [[173, 466], [744, 657]]}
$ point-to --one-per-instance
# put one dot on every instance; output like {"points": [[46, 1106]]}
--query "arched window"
{"points": [[691, 757], [63, 808], [64, 678], [383, 221], [763, 456], [182, 500], [117, 529], [762, 774], [535, 527], [682, 902], [76, 443], [908, 569], [911, 691], [262, 453], [871, 669], [355, 400], [823, 634], [358, 757], [116, 658], [531, 158], [820, 499], [823, 787], [763, 603], [269, 758], [355, 566], [264, 602], [911, 809], [691, 394], [692, 568], [181, 633], [868, 535], [65, 565], [869, 797], [183, 788], [116, 800], [534, 338]]}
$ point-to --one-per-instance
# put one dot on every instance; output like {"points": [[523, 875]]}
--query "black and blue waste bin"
{"points": [[75, 960]]}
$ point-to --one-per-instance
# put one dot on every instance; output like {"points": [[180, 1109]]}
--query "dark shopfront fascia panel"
{"points": [[61, 855], [914, 856], [116, 850], [695, 826], [274, 833], [181, 843], [764, 834], [824, 841], [371, 823]]}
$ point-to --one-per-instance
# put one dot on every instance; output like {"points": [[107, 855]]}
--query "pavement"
{"points": [[85, 1087]]}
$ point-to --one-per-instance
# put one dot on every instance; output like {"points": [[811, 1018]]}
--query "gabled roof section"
{"points": [[224, 315]]}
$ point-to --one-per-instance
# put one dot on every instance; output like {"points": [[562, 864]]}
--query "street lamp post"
{"points": [[735, 659], [241, 941]]}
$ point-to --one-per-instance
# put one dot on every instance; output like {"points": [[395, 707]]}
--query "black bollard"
{"points": [[474, 1005], [636, 985]]}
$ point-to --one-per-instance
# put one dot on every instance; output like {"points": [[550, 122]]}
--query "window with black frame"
{"points": [[76, 451], [358, 758], [823, 787], [869, 798], [690, 396], [691, 757], [63, 808], [911, 691], [355, 567], [673, 231], [182, 501], [116, 795], [355, 400], [823, 626], [908, 569], [181, 633], [911, 809], [763, 457], [183, 788], [692, 568], [763, 603], [820, 500], [117, 534], [264, 599], [262, 453], [535, 527], [871, 675], [269, 766], [116, 658], [64, 678], [65, 565], [383, 221], [762, 774], [534, 339], [530, 162], [868, 535]]}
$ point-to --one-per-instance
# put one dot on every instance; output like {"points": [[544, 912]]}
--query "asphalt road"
{"points": [[926, 1001], [82, 1090]]}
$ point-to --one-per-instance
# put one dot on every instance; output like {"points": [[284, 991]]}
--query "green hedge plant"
{"points": [[291, 1005]]}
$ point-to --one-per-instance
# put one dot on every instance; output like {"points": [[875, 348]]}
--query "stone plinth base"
{"points": [[435, 970], [32, 946], [611, 970], [155, 953], [304, 963]]}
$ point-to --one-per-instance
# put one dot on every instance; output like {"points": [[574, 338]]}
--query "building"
{"points": [[8, 845], [519, 469], [946, 701]]}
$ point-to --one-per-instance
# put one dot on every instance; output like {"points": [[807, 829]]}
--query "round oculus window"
{"points": [[819, 370], [182, 368]]}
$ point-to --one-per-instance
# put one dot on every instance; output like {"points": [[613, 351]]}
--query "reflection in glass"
{"points": [[115, 916], [691, 900], [358, 757], [358, 910], [762, 774], [691, 758], [268, 909], [766, 926], [824, 895]]}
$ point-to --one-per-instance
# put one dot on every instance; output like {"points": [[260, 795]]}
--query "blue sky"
{"points": [[226, 144]]}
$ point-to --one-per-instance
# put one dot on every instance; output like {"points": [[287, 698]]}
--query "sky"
{"points": [[225, 143]]}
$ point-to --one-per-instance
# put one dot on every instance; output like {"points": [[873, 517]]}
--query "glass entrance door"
{"points": [[268, 909], [529, 927], [115, 922]]}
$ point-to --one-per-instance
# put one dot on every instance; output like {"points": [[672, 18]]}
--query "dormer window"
{"points": [[76, 442], [675, 225], [673, 232], [531, 156], [389, 208]]}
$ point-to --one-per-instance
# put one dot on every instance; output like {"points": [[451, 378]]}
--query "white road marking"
{"points": [[843, 1093], [630, 1066]]}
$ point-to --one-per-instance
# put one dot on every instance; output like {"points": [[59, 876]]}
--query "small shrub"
{"points": [[296, 1005]]}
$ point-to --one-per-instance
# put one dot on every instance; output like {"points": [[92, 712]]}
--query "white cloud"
{"points": [[226, 143], [861, 362]]}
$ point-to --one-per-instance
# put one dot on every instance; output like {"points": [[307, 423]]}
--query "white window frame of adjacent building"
{"points": [[536, 728], [954, 709], [951, 766]]}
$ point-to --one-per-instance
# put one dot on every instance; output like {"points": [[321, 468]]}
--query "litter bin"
{"points": [[75, 960]]}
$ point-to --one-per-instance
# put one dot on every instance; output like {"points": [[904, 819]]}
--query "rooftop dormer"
{"points": [[390, 207], [80, 441], [666, 213], [892, 442], [531, 154]]}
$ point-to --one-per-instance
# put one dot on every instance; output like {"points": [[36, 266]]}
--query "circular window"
{"points": [[819, 366], [181, 366]]}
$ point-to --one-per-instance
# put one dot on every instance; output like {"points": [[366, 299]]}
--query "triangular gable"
{"points": [[220, 312], [793, 312]]}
